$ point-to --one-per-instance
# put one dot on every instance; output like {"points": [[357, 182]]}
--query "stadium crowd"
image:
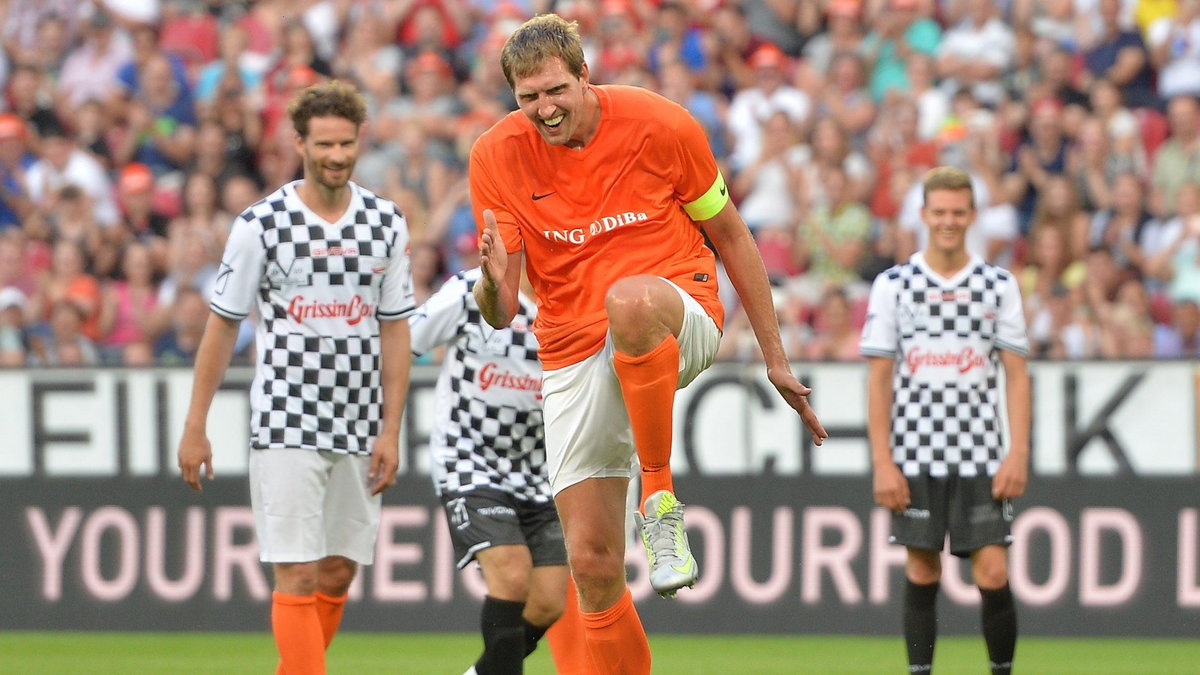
{"points": [[134, 130]]}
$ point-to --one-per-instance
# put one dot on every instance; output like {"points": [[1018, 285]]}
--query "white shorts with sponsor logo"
{"points": [[309, 505], [587, 427]]}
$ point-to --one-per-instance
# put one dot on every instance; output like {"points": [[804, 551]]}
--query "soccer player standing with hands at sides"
{"points": [[325, 263], [938, 329], [488, 464], [601, 193]]}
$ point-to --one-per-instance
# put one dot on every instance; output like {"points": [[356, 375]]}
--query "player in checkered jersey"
{"points": [[488, 465], [325, 264], [938, 329]]}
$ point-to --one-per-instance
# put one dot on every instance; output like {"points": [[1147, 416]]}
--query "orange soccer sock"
{"points": [[616, 640], [648, 383], [297, 630], [329, 610], [567, 643]]}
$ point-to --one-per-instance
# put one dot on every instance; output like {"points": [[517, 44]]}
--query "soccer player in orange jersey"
{"points": [[601, 192]]}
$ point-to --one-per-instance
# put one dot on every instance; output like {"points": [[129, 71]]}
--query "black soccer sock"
{"points": [[503, 637], [532, 635], [920, 625], [999, 618]]}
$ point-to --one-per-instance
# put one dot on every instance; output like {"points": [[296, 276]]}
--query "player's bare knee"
{"points": [[508, 582], [296, 578], [596, 568], [543, 610], [335, 574], [923, 567]]}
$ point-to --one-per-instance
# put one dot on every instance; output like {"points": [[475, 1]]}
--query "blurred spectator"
{"points": [[235, 63], [1119, 228], [933, 106], [752, 106], [15, 159], [975, 52], [1058, 208], [677, 82], [177, 345], [1039, 158], [843, 34], [1120, 56], [29, 96], [829, 148], [23, 20], [845, 98], [1178, 159], [428, 270], [1178, 265], [1126, 329], [90, 71], [733, 44], [67, 282], [831, 243], [676, 40], [130, 318], [202, 212], [70, 217], [142, 221], [898, 34], [1178, 340], [63, 163], [371, 60], [13, 345], [65, 344], [161, 120], [1175, 51], [190, 264], [189, 33], [835, 336], [764, 185]]}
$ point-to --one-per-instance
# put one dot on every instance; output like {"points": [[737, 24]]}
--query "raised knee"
{"points": [[628, 302], [596, 568]]}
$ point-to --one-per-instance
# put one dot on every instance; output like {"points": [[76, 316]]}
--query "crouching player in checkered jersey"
{"points": [[937, 329], [324, 262], [488, 465]]}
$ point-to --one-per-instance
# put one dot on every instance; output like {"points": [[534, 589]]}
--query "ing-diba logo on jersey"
{"points": [[353, 310], [578, 235]]}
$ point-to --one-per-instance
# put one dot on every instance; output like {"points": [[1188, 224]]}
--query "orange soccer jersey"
{"points": [[588, 217]]}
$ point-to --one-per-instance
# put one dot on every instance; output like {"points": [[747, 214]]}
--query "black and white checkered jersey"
{"points": [[320, 289], [487, 429], [944, 336]]}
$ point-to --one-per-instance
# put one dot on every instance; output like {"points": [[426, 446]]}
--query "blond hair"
{"points": [[947, 178], [538, 40]]}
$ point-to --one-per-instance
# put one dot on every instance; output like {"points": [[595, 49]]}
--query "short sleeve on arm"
{"points": [[241, 271], [699, 184], [396, 293], [441, 318], [488, 193], [1010, 324], [879, 329]]}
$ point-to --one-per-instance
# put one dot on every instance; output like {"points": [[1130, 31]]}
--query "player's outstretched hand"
{"points": [[891, 488], [385, 459], [796, 395], [1011, 478], [493, 258], [195, 452]]}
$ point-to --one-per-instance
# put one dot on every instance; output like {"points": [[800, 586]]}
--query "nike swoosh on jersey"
{"points": [[536, 196]]}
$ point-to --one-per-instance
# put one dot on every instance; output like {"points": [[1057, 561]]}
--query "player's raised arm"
{"points": [[496, 291], [745, 267]]}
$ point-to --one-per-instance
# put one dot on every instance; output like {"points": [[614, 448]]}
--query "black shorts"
{"points": [[962, 507], [483, 518]]}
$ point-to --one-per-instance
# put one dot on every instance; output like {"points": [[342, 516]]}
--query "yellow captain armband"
{"points": [[710, 203]]}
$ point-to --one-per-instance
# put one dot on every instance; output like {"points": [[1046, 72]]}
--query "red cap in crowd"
{"points": [[768, 56], [135, 178], [12, 128]]}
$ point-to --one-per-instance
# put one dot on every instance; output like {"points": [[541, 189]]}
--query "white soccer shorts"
{"points": [[309, 505], [587, 427]]}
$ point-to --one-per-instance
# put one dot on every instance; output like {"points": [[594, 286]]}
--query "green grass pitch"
{"points": [[28, 653]]}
